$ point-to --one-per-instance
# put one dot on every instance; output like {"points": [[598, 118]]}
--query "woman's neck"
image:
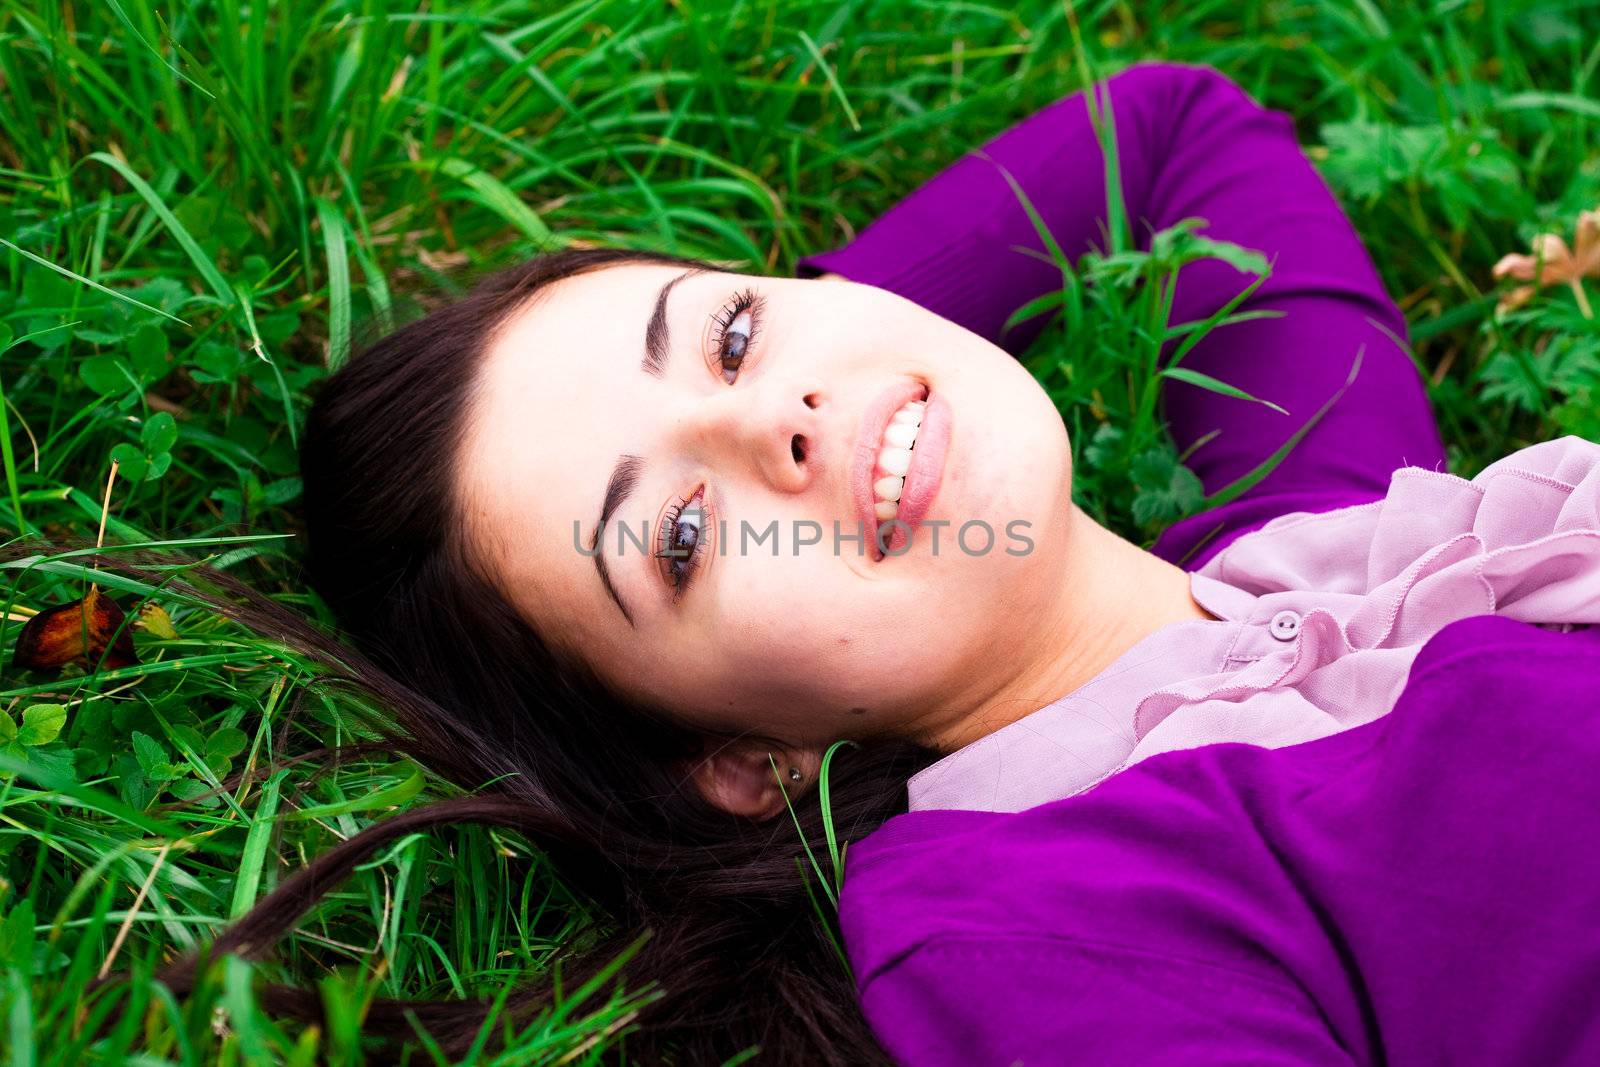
{"points": [[1114, 596]]}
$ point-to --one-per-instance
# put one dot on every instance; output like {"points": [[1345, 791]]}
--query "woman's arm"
{"points": [[1190, 143]]}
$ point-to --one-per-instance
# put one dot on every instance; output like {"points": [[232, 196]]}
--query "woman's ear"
{"points": [[738, 776]]}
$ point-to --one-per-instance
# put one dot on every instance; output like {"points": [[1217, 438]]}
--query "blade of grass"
{"points": [[64, 272], [253, 857], [334, 232], [833, 80], [5, 438], [1214, 385]]}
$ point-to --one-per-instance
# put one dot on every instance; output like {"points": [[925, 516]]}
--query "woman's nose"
{"points": [[770, 429]]}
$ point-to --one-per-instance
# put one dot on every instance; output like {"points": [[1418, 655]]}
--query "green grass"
{"points": [[204, 204]]}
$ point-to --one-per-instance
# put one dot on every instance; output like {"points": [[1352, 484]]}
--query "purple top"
{"points": [[1424, 889], [1373, 896]]}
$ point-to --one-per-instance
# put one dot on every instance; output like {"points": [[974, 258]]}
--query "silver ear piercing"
{"points": [[794, 774]]}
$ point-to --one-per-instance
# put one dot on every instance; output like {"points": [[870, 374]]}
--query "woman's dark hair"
{"points": [[472, 692]]}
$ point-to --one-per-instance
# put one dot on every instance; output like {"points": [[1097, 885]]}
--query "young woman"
{"points": [[1395, 868]]}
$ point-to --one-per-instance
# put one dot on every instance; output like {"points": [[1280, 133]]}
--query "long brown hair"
{"points": [[471, 691]]}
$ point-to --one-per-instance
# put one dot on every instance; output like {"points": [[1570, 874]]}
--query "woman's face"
{"points": [[731, 424]]}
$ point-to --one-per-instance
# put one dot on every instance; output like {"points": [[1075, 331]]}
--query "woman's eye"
{"points": [[737, 324], [735, 340], [685, 533], [682, 541]]}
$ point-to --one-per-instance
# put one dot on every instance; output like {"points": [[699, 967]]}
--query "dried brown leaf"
{"points": [[88, 631]]}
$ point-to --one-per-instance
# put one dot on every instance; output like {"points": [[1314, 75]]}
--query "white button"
{"points": [[1285, 624]]}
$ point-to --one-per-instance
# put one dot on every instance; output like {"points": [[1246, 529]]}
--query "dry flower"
{"points": [[1553, 263]]}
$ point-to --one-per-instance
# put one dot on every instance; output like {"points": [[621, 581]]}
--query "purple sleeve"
{"points": [[1191, 144]]}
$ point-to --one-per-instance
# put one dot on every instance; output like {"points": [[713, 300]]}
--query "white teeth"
{"points": [[900, 434], [899, 437], [894, 461]]}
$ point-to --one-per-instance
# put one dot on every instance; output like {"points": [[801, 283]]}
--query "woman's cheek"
{"points": [[796, 641]]}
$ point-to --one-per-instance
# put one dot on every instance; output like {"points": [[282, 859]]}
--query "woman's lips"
{"points": [[921, 479], [926, 471]]}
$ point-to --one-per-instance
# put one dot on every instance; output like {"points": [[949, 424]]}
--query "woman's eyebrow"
{"points": [[657, 340], [623, 478]]}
